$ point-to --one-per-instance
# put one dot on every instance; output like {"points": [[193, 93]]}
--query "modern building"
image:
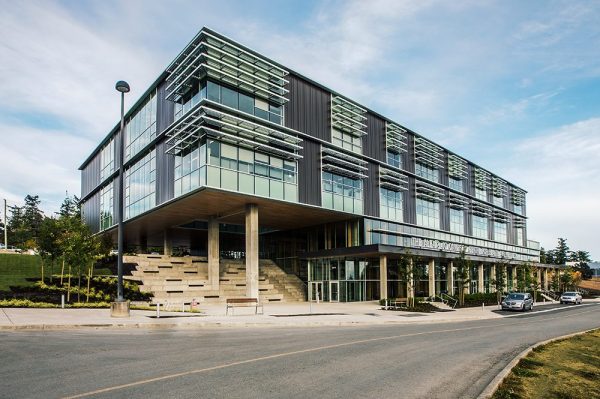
{"points": [[229, 154]]}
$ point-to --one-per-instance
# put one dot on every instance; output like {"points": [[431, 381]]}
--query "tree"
{"points": [[500, 281], [462, 265], [561, 252], [48, 243], [582, 258], [524, 278], [566, 279]]}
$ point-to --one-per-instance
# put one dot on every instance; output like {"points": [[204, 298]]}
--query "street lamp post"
{"points": [[120, 308]]}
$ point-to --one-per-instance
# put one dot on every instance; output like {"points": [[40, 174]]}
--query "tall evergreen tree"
{"points": [[561, 252]]}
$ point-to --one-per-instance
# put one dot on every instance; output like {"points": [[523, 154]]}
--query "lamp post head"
{"points": [[122, 86]]}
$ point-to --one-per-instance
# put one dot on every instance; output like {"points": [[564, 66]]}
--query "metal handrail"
{"points": [[448, 299]]}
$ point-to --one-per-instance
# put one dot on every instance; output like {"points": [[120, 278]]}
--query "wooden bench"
{"points": [[243, 302]]}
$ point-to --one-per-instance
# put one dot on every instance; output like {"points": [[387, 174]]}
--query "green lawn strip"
{"points": [[568, 368], [18, 270]]}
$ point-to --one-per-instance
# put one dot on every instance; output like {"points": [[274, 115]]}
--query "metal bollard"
{"points": [[62, 301], [158, 310], [482, 306]]}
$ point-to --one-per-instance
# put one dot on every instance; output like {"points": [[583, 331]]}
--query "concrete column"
{"points": [[539, 276], [168, 243], [546, 278], [480, 287], [383, 293], [213, 253], [431, 277], [515, 273], [450, 278], [505, 288], [252, 251], [492, 278]]}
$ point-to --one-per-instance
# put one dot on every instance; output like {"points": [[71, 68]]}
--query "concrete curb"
{"points": [[489, 391], [220, 324]]}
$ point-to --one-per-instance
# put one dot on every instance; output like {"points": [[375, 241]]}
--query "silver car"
{"points": [[518, 301], [571, 297]]}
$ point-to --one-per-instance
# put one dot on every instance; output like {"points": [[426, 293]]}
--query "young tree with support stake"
{"points": [[500, 281], [462, 265]]}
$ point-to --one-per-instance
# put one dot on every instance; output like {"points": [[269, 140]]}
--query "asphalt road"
{"points": [[431, 360]]}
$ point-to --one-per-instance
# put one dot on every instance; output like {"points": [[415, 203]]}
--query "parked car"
{"points": [[571, 297], [517, 300]]}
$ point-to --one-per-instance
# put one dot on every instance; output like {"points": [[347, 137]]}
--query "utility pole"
{"points": [[5, 227]]}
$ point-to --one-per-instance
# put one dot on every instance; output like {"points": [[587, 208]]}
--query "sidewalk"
{"points": [[275, 315]]}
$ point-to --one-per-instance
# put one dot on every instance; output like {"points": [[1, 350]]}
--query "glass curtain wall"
{"points": [[441, 277], [106, 206], [421, 279], [140, 129], [342, 193], [346, 140], [107, 160], [480, 226], [457, 221], [474, 276], [500, 234], [427, 172], [345, 280], [140, 185], [428, 213], [396, 279], [390, 205]]}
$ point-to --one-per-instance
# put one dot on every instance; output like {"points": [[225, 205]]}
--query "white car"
{"points": [[571, 297]]}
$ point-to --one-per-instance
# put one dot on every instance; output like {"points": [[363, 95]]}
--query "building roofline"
{"points": [[163, 75]]}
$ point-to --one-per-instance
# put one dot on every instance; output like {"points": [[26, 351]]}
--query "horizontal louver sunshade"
{"points": [[482, 179], [209, 55], [519, 222], [429, 192], [347, 116], [341, 163], [395, 138], [479, 209], [457, 167], [218, 123], [392, 180], [499, 187], [501, 217], [517, 196], [428, 153], [458, 201]]}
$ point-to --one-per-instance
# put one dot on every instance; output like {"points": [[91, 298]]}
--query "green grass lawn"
{"points": [[565, 369], [18, 270]]}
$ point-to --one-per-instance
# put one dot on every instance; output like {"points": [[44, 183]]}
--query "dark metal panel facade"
{"points": [[309, 173], [165, 169], [371, 190], [91, 212], [90, 176], [409, 156], [445, 213], [410, 209], [165, 109], [374, 142], [308, 110]]}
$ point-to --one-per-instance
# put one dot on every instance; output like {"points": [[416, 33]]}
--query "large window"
{"points": [[244, 170], [428, 213], [390, 205], [347, 140], [500, 232], [106, 207], [457, 221], [232, 98], [342, 193], [480, 227], [187, 170], [499, 201], [394, 159], [140, 129], [140, 186], [107, 159], [518, 209], [427, 172], [456, 184], [481, 194], [520, 236]]}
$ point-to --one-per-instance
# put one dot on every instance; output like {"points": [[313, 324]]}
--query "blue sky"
{"points": [[513, 86]]}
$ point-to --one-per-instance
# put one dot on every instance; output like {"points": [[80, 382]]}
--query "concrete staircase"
{"points": [[179, 280]]}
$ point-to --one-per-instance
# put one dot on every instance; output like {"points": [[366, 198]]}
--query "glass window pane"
{"points": [[229, 97], [246, 103], [213, 91]]}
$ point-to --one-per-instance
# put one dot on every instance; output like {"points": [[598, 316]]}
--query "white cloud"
{"points": [[561, 171]]}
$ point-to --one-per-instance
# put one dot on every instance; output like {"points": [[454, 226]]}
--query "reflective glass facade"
{"points": [[346, 140], [428, 213], [500, 232], [140, 129], [480, 226], [106, 207], [455, 184], [107, 160], [140, 186], [394, 159], [427, 172], [457, 221], [342, 193], [391, 204]]}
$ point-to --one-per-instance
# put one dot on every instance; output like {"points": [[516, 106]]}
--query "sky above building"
{"points": [[512, 86]]}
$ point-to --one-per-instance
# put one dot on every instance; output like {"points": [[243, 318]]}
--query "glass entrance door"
{"points": [[315, 291], [334, 291]]}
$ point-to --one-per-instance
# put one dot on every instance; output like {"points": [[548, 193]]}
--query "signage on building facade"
{"points": [[446, 246]]}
